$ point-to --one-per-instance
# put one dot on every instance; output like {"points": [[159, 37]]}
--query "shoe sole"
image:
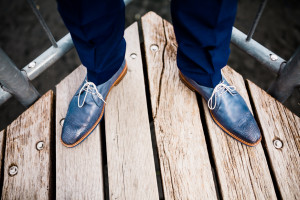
{"points": [[191, 87], [119, 79]]}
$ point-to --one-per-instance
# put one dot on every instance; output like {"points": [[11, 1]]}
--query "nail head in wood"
{"points": [[61, 122], [13, 170], [40, 145], [133, 55], [154, 47], [277, 144]]}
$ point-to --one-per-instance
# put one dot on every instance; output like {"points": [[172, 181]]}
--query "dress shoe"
{"points": [[228, 110], [86, 108]]}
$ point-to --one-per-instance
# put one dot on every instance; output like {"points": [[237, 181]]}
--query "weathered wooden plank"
{"points": [[130, 161], [184, 161], [78, 170], [242, 171], [278, 123], [32, 180]]}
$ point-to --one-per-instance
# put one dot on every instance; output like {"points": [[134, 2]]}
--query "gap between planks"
{"points": [[130, 159], [278, 123], [2, 152]]}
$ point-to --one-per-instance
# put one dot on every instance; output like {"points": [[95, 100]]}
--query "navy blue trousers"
{"points": [[202, 28]]}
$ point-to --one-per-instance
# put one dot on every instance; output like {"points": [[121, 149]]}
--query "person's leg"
{"points": [[203, 31], [97, 29]]}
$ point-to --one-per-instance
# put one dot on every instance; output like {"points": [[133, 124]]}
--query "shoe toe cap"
{"points": [[71, 134], [253, 135], [248, 131], [242, 127]]}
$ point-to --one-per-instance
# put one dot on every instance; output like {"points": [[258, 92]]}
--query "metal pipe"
{"points": [[256, 20], [4, 96], [50, 56], [272, 61], [288, 79], [13, 81], [42, 62], [46, 59], [42, 22]]}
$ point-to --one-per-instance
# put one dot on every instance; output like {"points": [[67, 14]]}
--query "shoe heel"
{"points": [[124, 72], [185, 82]]}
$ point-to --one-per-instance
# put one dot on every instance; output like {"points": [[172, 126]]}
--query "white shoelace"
{"points": [[89, 87], [212, 102]]}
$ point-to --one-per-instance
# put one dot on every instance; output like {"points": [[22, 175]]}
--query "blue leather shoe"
{"points": [[86, 109], [228, 110]]}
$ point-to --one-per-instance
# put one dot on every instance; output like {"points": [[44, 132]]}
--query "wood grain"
{"points": [[2, 147], [278, 123], [33, 178], [78, 170], [242, 171], [184, 162], [131, 169]]}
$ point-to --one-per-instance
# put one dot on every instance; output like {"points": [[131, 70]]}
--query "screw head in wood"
{"points": [[13, 170], [32, 64], [273, 57], [61, 122], [277, 144], [133, 55], [137, 16], [154, 47], [40, 145]]}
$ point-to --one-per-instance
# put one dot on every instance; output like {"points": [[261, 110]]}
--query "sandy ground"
{"points": [[23, 39]]}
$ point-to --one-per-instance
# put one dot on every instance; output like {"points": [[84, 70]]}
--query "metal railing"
{"points": [[17, 83], [288, 73]]}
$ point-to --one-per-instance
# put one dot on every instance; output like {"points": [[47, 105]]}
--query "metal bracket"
{"points": [[16, 82], [288, 79]]}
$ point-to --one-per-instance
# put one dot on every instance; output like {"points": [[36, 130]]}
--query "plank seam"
{"points": [[125, 173], [105, 180], [2, 162], [152, 116], [52, 193], [151, 119], [263, 142], [209, 147]]}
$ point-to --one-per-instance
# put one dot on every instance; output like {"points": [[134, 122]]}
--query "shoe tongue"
{"points": [[84, 97]]}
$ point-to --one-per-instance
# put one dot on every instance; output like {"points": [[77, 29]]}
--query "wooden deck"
{"points": [[157, 141]]}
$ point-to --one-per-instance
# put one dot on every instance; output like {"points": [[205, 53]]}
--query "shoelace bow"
{"points": [[89, 87], [212, 102]]}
